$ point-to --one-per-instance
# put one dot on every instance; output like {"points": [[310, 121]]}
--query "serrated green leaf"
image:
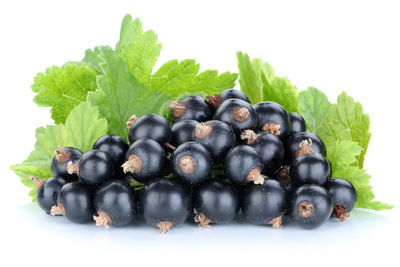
{"points": [[343, 154], [140, 49], [63, 88], [120, 94], [347, 121], [250, 78], [93, 59], [314, 106], [82, 128]]}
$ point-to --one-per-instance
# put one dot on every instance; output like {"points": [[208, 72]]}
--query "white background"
{"points": [[337, 46]]}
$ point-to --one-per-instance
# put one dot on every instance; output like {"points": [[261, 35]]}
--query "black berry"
{"points": [[293, 147], [150, 126], [344, 197], [182, 132], [47, 191], [216, 101], [114, 146], [60, 161], [191, 108], [297, 123]]}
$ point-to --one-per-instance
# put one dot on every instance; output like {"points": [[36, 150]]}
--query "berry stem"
{"points": [[131, 121], [250, 136], [276, 222], [170, 146], [255, 176], [102, 219], [164, 226], [202, 220], [38, 182]]}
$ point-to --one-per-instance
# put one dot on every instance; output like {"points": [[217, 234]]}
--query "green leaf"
{"points": [[120, 94], [93, 59], [63, 88], [250, 78], [140, 49], [347, 121], [314, 107], [259, 82], [82, 128], [343, 154]]}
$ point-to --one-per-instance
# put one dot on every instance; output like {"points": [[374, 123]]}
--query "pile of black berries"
{"points": [[220, 155]]}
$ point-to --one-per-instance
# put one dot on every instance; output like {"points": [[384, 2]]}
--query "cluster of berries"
{"points": [[221, 154]]}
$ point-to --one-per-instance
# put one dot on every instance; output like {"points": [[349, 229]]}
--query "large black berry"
{"points": [[94, 167], [311, 205], [191, 162], [243, 164], [145, 159], [238, 114], [264, 203], [293, 147], [47, 191], [150, 126], [297, 123], [272, 118], [115, 204], [74, 202], [114, 146], [216, 202], [217, 136], [60, 161], [344, 197], [165, 203], [309, 167], [191, 108], [182, 132], [268, 146], [216, 101]]}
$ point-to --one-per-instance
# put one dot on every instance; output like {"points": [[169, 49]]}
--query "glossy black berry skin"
{"points": [[239, 114], [151, 126], [218, 138], [163, 200], [293, 144], [195, 108], [343, 193], [272, 113], [233, 93], [262, 203], [182, 132], [271, 150], [95, 167], [153, 159], [311, 205], [310, 169], [59, 168], [239, 162], [47, 194], [118, 200], [217, 200], [191, 162], [114, 146], [297, 123], [77, 201]]}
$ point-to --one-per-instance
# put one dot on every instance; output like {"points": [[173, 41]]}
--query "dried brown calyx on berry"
{"points": [[305, 148], [178, 109], [133, 164]]}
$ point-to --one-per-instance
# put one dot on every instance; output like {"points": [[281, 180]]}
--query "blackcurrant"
{"points": [[238, 114], [60, 161], [310, 206], [243, 164], [145, 159], [216, 101], [93, 168], [182, 132], [191, 162], [150, 126], [344, 197], [217, 136], [282, 175], [293, 147], [272, 118], [297, 123], [47, 191], [216, 202], [115, 204], [191, 108], [264, 203], [114, 146], [74, 202], [268, 146], [165, 203], [310, 167]]}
